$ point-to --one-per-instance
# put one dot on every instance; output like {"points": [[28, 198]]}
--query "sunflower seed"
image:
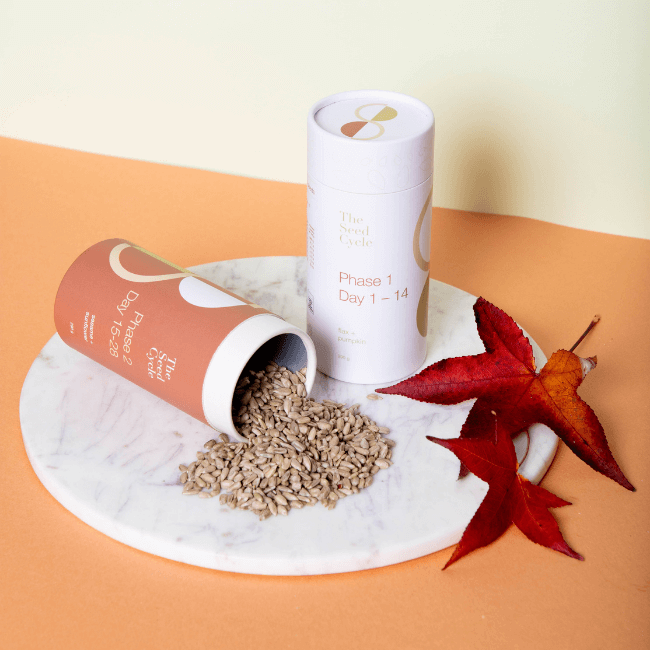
{"points": [[297, 452]]}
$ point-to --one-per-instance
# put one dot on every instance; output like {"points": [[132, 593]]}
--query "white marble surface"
{"points": [[109, 452]]}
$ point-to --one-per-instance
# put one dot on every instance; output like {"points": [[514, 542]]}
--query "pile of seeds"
{"points": [[298, 451]]}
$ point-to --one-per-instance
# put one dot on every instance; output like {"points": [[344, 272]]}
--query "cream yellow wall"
{"points": [[541, 107]]}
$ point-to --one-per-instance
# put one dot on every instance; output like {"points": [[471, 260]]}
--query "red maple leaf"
{"points": [[510, 498], [504, 380]]}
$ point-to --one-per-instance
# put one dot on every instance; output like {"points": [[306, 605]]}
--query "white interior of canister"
{"points": [[285, 349], [252, 345]]}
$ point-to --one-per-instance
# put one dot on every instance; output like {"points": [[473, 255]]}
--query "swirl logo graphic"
{"points": [[422, 314], [192, 288], [369, 128], [120, 271]]}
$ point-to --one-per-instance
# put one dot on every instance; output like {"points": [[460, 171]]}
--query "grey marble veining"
{"points": [[109, 452]]}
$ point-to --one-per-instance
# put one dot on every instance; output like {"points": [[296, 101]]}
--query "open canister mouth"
{"points": [[252, 345]]}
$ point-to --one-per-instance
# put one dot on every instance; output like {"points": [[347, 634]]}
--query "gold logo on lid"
{"points": [[351, 129]]}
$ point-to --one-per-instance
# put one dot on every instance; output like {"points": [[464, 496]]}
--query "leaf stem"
{"points": [[594, 320]]}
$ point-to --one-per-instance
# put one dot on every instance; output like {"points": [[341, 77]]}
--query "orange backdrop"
{"points": [[65, 585]]}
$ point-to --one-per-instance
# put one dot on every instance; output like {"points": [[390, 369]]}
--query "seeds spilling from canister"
{"points": [[298, 452]]}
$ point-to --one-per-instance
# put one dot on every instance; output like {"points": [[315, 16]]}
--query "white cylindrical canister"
{"points": [[171, 332], [370, 165]]}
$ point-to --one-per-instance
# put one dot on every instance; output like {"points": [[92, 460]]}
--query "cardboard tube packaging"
{"points": [[370, 164], [171, 332]]}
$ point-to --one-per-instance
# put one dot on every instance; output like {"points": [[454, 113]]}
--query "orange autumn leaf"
{"points": [[504, 379]]}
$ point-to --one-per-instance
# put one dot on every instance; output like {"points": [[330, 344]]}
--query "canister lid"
{"points": [[370, 141]]}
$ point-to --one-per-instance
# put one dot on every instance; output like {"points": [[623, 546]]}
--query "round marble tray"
{"points": [[109, 452]]}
